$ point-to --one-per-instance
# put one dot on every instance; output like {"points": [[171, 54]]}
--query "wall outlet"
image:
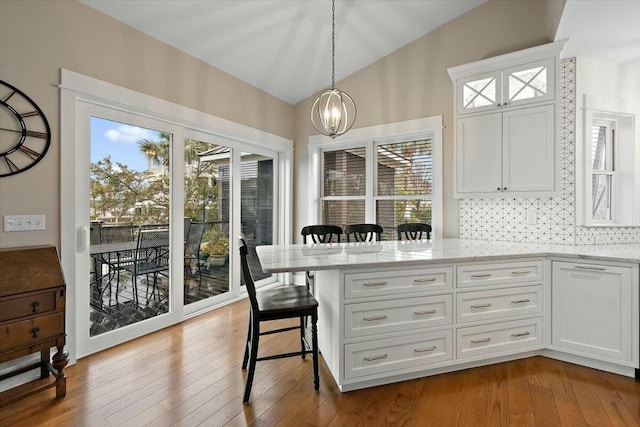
{"points": [[532, 216], [23, 222]]}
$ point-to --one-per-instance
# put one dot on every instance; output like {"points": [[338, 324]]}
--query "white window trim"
{"points": [[77, 88], [428, 127]]}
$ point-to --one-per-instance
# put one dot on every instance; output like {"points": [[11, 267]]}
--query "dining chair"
{"points": [[322, 233], [151, 257], [192, 249], [283, 302], [414, 231], [363, 232]]}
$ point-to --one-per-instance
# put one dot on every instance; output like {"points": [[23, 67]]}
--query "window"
{"points": [[610, 160], [387, 175]]}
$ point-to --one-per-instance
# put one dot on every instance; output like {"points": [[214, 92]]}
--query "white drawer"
{"points": [[419, 350], [370, 318], [499, 274], [362, 285], [498, 303], [499, 338]]}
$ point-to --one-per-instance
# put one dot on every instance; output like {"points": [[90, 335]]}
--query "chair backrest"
{"points": [[321, 233], [95, 233], [414, 230], [194, 238], [116, 233], [363, 232], [187, 224], [153, 246], [246, 274]]}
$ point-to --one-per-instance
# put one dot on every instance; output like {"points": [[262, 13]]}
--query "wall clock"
{"points": [[25, 135]]}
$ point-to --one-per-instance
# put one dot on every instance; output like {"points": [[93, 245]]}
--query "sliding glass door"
{"points": [[125, 177]]}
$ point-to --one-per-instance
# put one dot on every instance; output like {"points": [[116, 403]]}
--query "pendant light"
{"points": [[333, 112]]}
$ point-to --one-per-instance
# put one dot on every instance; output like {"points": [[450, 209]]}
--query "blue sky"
{"points": [[120, 141]]}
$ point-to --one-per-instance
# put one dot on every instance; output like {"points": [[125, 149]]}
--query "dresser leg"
{"points": [[60, 360]]}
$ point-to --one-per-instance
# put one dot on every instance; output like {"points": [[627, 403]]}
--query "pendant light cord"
{"points": [[333, 44]]}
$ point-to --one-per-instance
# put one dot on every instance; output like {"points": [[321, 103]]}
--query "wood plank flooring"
{"points": [[189, 375]]}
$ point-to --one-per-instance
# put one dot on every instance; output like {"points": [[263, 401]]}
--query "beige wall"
{"points": [[38, 38], [413, 82]]}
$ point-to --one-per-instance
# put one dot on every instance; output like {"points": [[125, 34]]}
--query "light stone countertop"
{"points": [[300, 257]]}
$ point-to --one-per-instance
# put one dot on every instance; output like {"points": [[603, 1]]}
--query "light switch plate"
{"points": [[23, 222]]}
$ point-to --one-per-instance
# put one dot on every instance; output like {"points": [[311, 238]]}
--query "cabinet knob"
{"points": [[35, 332], [498, 188], [504, 104], [498, 105], [504, 188], [35, 307]]}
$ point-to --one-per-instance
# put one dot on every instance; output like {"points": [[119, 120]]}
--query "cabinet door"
{"points": [[529, 149], [527, 83], [479, 92], [479, 154], [592, 310]]}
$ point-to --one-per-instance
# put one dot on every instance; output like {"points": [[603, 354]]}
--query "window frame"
{"points": [[370, 137]]}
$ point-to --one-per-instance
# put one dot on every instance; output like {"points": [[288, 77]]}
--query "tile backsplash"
{"points": [[509, 219]]}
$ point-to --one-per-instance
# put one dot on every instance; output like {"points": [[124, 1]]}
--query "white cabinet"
{"points": [[517, 85], [595, 311], [505, 152], [505, 124]]}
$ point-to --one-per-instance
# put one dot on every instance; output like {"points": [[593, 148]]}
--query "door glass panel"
{"points": [[526, 84], [479, 93], [256, 206], [129, 232], [206, 221]]}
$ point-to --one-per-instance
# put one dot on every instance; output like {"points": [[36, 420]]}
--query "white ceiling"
{"points": [[608, 29], [284, 46]]}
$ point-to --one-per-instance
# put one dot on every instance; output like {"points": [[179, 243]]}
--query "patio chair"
{"points": [[192, 249], [413, 231], [284, 302], [116, 261], [151, 258]]}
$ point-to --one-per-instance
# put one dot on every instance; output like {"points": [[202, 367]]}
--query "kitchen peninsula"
{"points": [[392, 311]]}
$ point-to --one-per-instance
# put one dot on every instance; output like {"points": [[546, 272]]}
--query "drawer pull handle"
{"points": [[375, 284], [521, 334], [480, 341], [521, 301], [424, 350], [371, 319], [430, 279], [582, 267], [35, 307], [481, 305], [35, 332], [520, 273], [479, 276], [379, 357], [423, 313]]}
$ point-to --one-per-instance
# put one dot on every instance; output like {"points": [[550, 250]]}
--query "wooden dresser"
{"points": [[32, 317]]}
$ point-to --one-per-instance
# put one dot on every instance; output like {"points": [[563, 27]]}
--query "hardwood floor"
{"points": [[190, 375]]}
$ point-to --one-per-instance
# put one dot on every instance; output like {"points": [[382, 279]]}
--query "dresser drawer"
{"points": [[498, 303], [362, 285], [499, 338], [28, 304], [419, 350], [31, 331], [499, 274], [397, 315]]}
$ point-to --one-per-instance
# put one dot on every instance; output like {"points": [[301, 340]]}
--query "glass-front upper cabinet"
{"points": [[521, 84]]}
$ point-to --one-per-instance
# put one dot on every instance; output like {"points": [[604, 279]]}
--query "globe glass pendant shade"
{"points": [[333, 112]]}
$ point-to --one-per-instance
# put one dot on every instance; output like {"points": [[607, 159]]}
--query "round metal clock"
{"points": [[25, 135]]}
